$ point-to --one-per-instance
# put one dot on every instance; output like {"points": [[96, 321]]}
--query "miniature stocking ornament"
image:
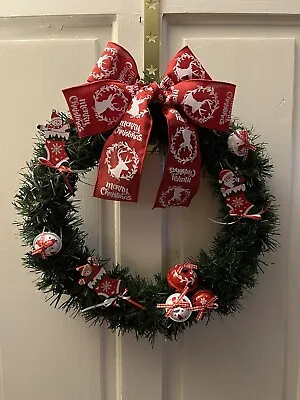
{"points": [[233, 189], [91, 273], [56, 152], [108, 287], [95, 277]]}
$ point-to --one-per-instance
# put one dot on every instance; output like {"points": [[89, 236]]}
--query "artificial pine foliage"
{"points": [[229, 269]]}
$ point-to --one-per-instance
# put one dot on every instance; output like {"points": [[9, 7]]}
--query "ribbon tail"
{"points": [[134, 303], [255, 217], [181, 177], [67, 183], [222, 223], [61, 169], [121, 162], [258, 216], [105, 303], [200, 315], [45, 162]]}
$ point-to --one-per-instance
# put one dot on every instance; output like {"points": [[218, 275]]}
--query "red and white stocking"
{"points": [[108, 287], [233, 189], [56, 152]]}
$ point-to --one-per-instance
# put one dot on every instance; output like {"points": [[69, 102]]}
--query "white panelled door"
{"points": [[44, 354]]}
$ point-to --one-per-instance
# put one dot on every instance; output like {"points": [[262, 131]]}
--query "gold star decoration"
{"points": [[151, 37], [151, 4], [151, 70]]}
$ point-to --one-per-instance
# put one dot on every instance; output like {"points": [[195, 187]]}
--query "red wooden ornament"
{"points": [[203, 301], [181, 276]]}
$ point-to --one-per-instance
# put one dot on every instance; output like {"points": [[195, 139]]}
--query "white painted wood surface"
{"points": [[45, 354]]}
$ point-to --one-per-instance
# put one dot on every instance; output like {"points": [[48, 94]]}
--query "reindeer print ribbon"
{"points": [[116, 99]]}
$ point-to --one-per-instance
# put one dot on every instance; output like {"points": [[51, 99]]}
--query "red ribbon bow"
{"points": [[62, 169], [115, 98]]}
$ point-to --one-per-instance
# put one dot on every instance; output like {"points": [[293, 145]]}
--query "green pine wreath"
{"points": [[229, 269]]}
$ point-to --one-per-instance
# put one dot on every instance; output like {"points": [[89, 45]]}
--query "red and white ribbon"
{"points": [[207, 306], [185, 266], [256, 217], [62, 169], [116, 100], [127, 298], [113, 301], [178, 303], [43, 245], [246, 145]]}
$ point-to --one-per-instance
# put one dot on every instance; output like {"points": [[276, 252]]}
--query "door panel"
{"points": [[251, 348], [231, 7], [45, 353]]}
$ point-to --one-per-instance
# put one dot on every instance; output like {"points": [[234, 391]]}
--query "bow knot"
{"points": [[117, 100], [160, 94]]}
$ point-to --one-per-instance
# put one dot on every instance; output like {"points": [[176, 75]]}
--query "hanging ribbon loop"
{"points": [[117, 101]]}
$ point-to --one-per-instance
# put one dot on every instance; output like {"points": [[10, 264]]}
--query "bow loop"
{"points": [[206, 103], [97, 107], [185, 65], [115, 63]]}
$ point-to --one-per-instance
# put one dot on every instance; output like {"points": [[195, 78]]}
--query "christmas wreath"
{"points": [[114, 117]]}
